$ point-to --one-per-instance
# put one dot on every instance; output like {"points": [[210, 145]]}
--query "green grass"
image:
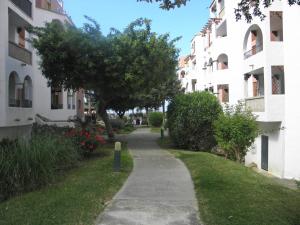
{"points": [[126, 130], [155, 129], [76, 199], [231, 194]]}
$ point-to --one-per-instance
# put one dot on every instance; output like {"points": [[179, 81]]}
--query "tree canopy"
{"points": [[119, 68], [245, 8]]}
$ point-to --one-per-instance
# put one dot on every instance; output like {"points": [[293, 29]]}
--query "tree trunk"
{"points": [[237, 155], [105, 118], [147, 113], [164, 112]]}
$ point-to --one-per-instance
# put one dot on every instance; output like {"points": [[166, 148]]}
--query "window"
{"points": [[27, 93], [276, 26], [15, 90], [278, 80], [253, 41], [223, 93], [71, 100], [56, 98], [222, 62]]}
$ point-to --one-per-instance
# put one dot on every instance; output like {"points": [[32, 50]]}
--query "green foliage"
{"points": [[117, 68], [190, 118], [117, 123], [156, 119], [235, 131], [245, 8], [27, 166]]}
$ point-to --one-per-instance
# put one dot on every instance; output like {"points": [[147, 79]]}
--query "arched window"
{"points": [[14, 90], [253, 41], [222, 62], [27, 92]]}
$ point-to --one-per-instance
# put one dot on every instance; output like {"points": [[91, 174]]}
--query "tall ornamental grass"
{"points": [[25, 166]]}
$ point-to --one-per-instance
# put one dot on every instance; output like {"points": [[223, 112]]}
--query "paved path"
{"points": [[159, 191]]}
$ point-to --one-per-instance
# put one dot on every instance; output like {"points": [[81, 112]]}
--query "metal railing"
{"points": [[256, 104], [254, 50], [18, 103], [24, 5], [57, 106], [19, 53]]}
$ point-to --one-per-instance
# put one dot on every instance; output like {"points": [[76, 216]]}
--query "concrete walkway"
{"points": [[159, 191]]}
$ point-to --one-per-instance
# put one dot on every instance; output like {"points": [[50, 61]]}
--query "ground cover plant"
{"points": [[229, 193], [76, 198]]}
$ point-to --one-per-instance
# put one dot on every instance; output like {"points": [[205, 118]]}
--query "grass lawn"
{"points": [[155, 129], [76, 199], [126, 130], [232, 194]]}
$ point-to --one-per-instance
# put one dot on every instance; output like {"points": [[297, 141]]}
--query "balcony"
{"points": [[24, 5], [256, 104], [20, 103], [254, 50], [19, 53]]}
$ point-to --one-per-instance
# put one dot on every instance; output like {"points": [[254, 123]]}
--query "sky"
{"points": [[182, 22]]}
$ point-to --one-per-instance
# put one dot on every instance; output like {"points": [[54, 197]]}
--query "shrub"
{"points": [[190, 120], [235, 131], [117, 123], [156, 119], [85, 139], [26, 166]]}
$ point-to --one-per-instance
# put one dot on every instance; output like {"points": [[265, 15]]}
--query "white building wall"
{"points": [[291, 39], [14, 121], [17, 121], [280, 119], [42, 103], [3, 54]]}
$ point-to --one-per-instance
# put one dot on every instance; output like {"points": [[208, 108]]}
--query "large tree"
{"points": [[114, 68], [245, 8]]}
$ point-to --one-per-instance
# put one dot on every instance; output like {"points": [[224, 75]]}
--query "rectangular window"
{"points": [[278, 80], [56, 98], [276, 26], [223, 93]]}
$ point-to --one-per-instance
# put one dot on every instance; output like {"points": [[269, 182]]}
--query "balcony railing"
{"points": [[19, 53], [254, 50], [24, 5], [256, 104], [57, 106], [20, 103]]}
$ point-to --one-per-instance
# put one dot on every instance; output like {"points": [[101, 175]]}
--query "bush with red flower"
{"points": [[86, 139]]}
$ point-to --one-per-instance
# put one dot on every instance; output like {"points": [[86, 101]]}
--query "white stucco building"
{"points": [[24, 93], [255, 62]]}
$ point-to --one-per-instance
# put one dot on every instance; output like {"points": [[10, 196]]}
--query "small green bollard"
{"points": [[162, 133], [117, 157]]}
